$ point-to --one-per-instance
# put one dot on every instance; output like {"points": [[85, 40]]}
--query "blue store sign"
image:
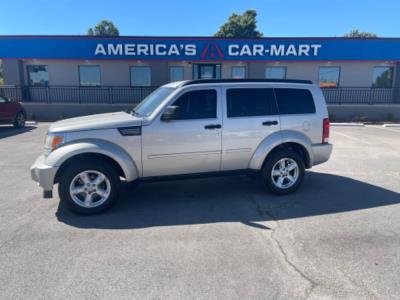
{"points": [[198, 49]]}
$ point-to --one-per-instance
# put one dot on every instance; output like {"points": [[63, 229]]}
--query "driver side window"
{"points": [[201, 104]]}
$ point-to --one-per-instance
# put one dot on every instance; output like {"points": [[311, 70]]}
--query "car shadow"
{"points": [[7, 131], [231, 199]]}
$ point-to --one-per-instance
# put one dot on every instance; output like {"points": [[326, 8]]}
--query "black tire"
{"points": [[75, 168], [272, 160], [19, 121]]}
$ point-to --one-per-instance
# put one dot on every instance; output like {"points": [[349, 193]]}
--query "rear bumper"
{"points": [[43, 174], [322, 152]]}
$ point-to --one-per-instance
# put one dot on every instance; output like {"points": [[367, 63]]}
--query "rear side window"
{"points": [[294, 101], [250, 102], [200, 104]]}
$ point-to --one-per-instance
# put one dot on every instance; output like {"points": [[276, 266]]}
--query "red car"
{"points": [[12, 112]]}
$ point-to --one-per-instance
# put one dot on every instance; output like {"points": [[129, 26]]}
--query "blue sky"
{"points": [[200, 18]]}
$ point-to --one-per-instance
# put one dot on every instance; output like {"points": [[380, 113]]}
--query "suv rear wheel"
{"points": [[89, 187], [283, 172]]}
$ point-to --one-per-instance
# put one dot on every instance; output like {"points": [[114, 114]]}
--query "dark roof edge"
{"points": [[257, 80]]}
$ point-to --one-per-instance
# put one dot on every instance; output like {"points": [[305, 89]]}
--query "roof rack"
{"points": [[200, 81]]}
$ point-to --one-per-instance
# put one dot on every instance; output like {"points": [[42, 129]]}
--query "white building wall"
{"points": [[117, 73]]}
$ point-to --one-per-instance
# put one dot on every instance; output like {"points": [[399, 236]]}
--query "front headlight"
{"points": [[53, 141]]}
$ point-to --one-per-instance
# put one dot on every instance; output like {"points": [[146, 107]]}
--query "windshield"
{"points": [[152, 101]]}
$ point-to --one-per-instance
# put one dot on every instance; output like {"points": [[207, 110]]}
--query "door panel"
{"points": [[182, 146], [243, 129], [7, 109]]}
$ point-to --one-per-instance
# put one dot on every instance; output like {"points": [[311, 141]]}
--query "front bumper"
{"points": [[322, 152], [43, 174]]}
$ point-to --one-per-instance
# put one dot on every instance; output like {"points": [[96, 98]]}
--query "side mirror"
{"points": [[171, 113]]}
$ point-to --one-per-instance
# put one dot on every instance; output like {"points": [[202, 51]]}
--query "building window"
{"points": [[140, 76], [89, 75], [38, 76], [239, 72], [206, 71], [175, 74], [329, 77], [275, 72], [382, 77]]}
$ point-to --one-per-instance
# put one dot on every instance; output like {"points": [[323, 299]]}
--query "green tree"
{"points": [[355, 33], [240, 26], [104, 28]]}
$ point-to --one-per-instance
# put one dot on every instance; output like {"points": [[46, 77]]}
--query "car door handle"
{"points": [[270, 123], [213, 126]]}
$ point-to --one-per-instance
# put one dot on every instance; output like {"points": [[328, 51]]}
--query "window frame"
{"points": [[90, 66], [252, 88], [130, 76], [237, 67], [275, 67], [178, 67], [331, 67], [391, 68], [177, 97], [29, 76]]}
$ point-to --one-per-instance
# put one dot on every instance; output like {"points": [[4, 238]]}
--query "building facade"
{"points": [[142, 63]]}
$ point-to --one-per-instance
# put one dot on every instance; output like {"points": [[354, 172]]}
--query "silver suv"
{"points": [[274, 128]]}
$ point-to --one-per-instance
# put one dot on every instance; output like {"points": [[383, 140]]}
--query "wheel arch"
{"points": [[102, 150], [291, 146], [84, 157], [287, 139]]}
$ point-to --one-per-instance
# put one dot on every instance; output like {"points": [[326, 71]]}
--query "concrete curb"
{"points": [[391, 125], [348, 124], [31, 123]]}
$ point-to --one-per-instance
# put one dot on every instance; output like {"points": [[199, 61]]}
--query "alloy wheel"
{"points": [[285, 173], [90, 189]]}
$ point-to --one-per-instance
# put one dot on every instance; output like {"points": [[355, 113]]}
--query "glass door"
{"points": [[206, 71]]}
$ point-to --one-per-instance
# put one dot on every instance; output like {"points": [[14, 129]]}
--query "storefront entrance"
{"points": [[206, 71]]}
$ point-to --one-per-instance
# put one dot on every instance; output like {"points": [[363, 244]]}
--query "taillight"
{"points": [[325, 130]]}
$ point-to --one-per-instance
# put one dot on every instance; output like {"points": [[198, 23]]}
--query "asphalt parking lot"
{"points": [[218, 238]]}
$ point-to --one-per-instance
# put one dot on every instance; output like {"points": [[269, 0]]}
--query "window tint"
{"points": [[294, 101], [89, 75], [197, 105], [250, 102]]}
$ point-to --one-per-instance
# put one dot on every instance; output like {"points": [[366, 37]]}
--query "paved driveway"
{"points": [[220, 238]]}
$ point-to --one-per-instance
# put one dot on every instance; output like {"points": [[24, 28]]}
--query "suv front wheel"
{"points": [[89, 187], [283, 172]]}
